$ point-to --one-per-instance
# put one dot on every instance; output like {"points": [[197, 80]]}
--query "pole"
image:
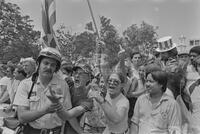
{"points": [[92, 15], [98, 48]]}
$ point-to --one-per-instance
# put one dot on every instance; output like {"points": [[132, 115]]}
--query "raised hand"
{"points": [[121, 53]]}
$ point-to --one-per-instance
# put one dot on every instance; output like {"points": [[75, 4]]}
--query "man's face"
{"points": [[193, 55], [136, 59], [9, 72], [183, 59], [164, 56], [80, 78], [47, 67]]}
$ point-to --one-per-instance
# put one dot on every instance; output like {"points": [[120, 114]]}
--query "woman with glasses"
{"points": [[114, 105]]}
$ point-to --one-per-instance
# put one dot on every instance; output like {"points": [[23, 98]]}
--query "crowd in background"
{"points": [[159, 95]]}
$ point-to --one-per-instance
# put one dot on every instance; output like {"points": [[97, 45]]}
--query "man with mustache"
{"points": [[44, 102]]}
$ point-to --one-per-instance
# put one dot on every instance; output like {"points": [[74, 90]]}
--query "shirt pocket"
{"points": [[34, 102], [159, 119]]}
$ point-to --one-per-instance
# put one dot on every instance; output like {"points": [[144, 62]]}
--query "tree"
{"points": [[66, 42], [17, 37], [143, 37], [111, 38]]}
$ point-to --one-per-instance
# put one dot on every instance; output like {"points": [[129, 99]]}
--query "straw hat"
{"points": [[165, 44]]}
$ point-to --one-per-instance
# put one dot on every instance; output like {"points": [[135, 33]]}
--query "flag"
{"points": [[48, 21]]}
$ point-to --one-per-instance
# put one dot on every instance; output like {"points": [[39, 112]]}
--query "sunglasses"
{"points": [[114, 81]]}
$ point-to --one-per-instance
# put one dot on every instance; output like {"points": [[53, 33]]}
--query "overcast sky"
{"points": [[173, 17]]}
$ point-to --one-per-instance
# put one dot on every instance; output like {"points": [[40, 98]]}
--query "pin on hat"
{"points": [[165, 44]]}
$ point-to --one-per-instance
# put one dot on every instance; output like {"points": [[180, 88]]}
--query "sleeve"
{"points": [[67, 97], [135, 117], [21, 97], [175, 118]]}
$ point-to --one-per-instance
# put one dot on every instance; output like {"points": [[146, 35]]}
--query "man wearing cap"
{"points": [[44, 100], [82, 74]]}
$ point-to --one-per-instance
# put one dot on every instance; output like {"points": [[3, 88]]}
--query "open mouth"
{"points": [[77, 82], [111, 86]]}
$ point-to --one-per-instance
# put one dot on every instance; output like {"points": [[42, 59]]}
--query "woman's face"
{"points": [[114, 84], [153, 86]]}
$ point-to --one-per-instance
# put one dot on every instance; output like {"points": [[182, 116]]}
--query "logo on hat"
{"points": [[165, 44]]}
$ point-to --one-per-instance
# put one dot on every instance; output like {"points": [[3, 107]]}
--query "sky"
{"points": [[173, 17]]}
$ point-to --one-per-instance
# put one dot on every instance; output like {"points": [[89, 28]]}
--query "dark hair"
{"points": [[68, 69], [174, 80], [152, 67], [173, 52], [134, 53], [195, 49], [161, 78]]}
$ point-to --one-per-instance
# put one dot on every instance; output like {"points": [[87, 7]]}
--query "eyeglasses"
{"points": [[114, 81]]}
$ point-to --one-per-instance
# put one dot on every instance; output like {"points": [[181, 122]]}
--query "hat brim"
{"points": [[161, 51], [183, 54]]}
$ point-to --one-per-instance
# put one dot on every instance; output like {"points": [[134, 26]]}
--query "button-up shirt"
{"points": [[39, 99], [162, 118]]}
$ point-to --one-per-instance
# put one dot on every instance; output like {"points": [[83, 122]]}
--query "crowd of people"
{"points": [[159, 95]]}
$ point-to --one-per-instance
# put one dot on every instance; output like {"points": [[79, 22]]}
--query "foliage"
{"points": [[66, 41], [111, 39], [17, 37], [143, 37]]}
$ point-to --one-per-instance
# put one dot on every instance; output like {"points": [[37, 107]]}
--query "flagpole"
{"points": [[92, 15], [98, 47]]}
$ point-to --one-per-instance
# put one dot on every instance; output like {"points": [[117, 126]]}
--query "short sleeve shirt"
{"points": [[157, 119], [38, 100]]}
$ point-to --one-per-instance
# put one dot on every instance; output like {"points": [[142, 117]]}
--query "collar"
{"points": [[52, 82], [164, 98]]}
